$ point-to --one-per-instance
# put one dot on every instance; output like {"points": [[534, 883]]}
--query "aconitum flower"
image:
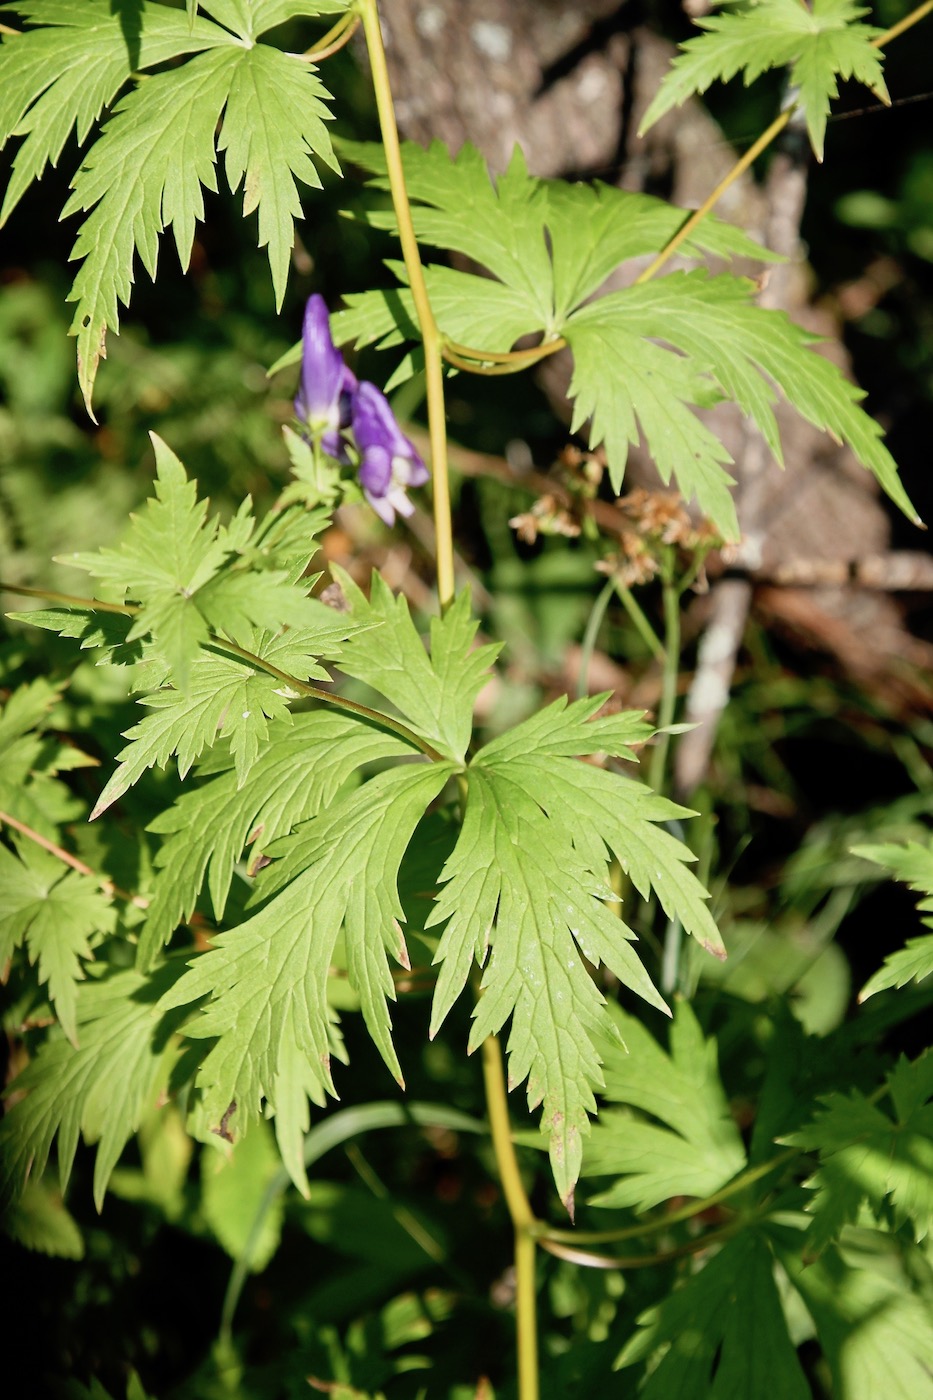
{"points": [[322, 403], [389, 464]]}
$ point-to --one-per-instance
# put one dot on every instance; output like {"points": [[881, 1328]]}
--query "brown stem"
{"points": [[108, 887]]}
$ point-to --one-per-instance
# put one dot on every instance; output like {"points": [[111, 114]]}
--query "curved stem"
{"points": [[507, 367], [512, 359], [335, 38], [587, 1259], [674, 1217], [525, 1225], [430, 335]]}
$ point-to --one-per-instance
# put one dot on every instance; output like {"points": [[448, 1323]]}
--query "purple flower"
{"points": [[323, 399], [389, 463]]}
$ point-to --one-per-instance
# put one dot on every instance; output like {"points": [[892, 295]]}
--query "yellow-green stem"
{"points": [[525, 1225], [430, 335], [588, 645], [335, 39], [68, 600], [698, 215], [505, 357], [907, 22], [671, 672], [642, 625]]}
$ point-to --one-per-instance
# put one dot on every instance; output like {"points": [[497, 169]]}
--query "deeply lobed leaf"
{"points": [[526, 893], [100, 1089], [698, 1149], [821, 43], [54, 911], [268, 1012]]}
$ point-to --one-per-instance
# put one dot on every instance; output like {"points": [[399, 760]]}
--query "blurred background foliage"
{"points": [[363, 1280]]}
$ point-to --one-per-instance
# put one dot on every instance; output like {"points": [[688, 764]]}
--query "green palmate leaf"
{"points": [[188, 576], [626, 386], [40, 1222], [250, 18], [644, 358], [269, 1015], [30, 757], [101, 1089], [699, 1150], [874, 1325], [58, 78], [551, 243], [302, 767], [719, 340], [722, 1336], [435, 691], [157, 153], [822, 43], [913, 864], [54, 911], [529, 878], [865, 1155]]}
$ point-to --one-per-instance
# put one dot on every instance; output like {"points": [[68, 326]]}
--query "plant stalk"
{"points": [[588, 645], [671, 672], [430, 335], [523, 1220]]}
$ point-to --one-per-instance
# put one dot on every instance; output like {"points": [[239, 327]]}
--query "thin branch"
{"points": [[588, 1259], [907, 22], [59, 852], [69, 600]]}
